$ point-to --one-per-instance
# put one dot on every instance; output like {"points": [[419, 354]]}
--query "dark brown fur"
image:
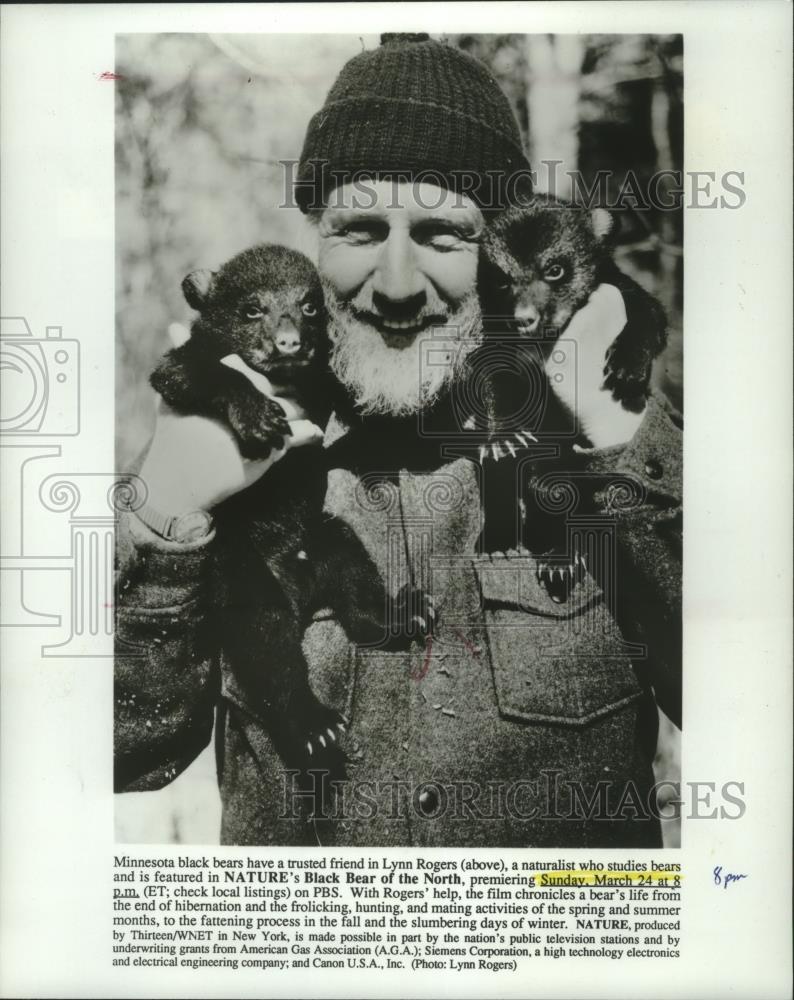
{"points": [[543, 260], [279, 558], [540, 262]]}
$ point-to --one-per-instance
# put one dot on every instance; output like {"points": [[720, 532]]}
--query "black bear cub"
{"points": [[540, 262], [279, 558]]}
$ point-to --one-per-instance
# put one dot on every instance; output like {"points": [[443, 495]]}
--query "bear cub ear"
{"points": [[196, 288], [604, 223]]}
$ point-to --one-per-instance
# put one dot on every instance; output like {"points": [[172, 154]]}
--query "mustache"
{"points": [[393, 382], [434, 309]]}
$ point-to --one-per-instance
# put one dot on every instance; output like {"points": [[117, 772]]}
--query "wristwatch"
{"points": [[189, 527]]}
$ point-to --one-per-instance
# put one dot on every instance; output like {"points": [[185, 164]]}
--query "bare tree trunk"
{"points": [[554, 87]]}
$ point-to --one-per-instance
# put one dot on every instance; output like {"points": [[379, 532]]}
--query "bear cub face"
{"points": [[266, 305], [543, 260]]}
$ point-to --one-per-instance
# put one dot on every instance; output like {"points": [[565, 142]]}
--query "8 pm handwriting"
{"points": [[725, 879]]}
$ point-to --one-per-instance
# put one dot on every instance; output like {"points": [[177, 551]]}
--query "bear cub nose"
{"points": [[528, 318], [288, 341]]}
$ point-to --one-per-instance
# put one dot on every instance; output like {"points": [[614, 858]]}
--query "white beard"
{"points": [[409, 377]]}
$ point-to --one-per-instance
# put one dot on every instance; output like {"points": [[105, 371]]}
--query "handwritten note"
{"points": [[725, 879]]}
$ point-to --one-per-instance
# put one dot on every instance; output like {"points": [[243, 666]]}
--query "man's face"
{"points": [[398, 262]]}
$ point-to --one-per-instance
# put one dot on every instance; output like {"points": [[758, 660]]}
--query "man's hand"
{"points": [[193, 463], [593, 329]]}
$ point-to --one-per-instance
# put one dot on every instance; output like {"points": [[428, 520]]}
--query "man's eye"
{"points": [[363, 232], [253, 312], [438, 236], [554, 272], [309, 309]]}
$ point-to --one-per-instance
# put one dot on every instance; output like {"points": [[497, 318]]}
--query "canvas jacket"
{"points": [[521, 722]]}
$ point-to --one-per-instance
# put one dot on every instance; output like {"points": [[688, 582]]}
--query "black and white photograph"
{"points": [[399, 386], [396, 487]]}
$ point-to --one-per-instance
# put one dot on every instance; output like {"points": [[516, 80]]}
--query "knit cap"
{"points": [[413, 109]]}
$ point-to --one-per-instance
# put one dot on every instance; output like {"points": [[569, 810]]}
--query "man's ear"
{"points": [[197, 286], [604, 223]]}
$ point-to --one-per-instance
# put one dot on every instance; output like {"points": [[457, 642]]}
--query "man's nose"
{"points": [[398, 286], [288, 340]]}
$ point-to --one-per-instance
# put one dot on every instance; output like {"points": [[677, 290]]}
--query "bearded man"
{"points": [[524, 721]]}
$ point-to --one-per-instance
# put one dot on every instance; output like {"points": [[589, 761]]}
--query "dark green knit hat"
{"points": [[413, 108]]}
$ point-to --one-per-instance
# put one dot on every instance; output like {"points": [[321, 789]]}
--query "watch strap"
{"points": [[168, 526], [160, 524]]}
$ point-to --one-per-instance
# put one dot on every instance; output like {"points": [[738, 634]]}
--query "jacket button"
{"points": [[428, 801], [653, 469]]}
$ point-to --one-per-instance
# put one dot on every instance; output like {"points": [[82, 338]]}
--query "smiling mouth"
{"points": [[401, 327]]}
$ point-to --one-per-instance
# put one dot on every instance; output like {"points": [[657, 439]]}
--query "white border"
{"points": [[57, 266]]}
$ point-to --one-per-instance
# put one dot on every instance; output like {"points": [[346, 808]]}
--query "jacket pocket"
{"points": [[558, 664]]}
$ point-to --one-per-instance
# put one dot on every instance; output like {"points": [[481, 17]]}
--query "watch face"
{"points": [[190, 527]]}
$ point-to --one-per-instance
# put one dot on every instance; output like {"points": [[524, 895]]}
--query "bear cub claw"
{"points": [[558, 577]]}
